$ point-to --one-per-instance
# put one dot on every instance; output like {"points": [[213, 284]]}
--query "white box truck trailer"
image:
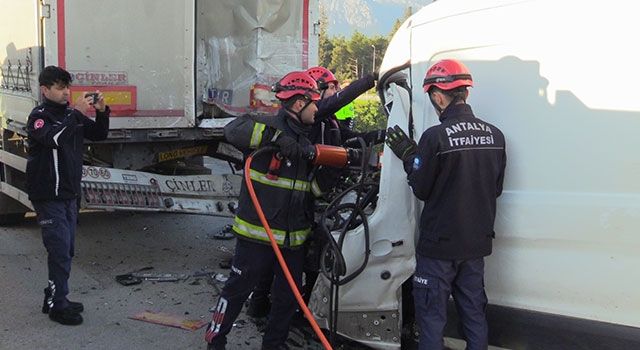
{"points": [[173, 72]]}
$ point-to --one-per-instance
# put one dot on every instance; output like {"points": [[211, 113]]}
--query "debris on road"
{"points": [[225, 233], [168, 320], [162, 277], [138, 276]]}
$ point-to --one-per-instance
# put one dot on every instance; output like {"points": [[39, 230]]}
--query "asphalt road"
{"points": [[109, 244], [114, 243]]}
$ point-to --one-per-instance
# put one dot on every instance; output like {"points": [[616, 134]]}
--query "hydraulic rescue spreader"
{"points": [[334, 156]]}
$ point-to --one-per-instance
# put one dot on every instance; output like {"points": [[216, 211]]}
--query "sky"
{"points": [[370, 17]]}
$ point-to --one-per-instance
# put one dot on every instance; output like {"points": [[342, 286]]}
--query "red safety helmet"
{"points": [[296, 83], [447, 75], [322, 76]]}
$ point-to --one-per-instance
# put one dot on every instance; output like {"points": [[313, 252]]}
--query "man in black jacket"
{"points": [[54, 171], [457, 169]]}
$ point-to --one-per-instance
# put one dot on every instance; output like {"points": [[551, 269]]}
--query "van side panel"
{"points": [[562, 92]]}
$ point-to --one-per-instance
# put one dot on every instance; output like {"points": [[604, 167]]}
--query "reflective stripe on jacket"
{"points": [[286, 198]]}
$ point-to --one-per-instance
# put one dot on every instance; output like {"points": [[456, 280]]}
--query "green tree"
{"points": [[340, 56], [369, 115], [358, 48], [352, 58], [325, 44], [380, 43]]}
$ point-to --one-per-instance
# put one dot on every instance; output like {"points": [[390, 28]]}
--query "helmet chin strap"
{"points": [[299, 113], [435, 105], [439, 109]]}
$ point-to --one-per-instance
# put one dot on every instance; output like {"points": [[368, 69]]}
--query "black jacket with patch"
{"points": [[458, 172], [56, 145]]}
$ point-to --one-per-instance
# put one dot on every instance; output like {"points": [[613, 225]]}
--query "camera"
{"points": [[94, 95]]}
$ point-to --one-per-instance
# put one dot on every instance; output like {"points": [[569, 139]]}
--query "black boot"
{"points": [[75, 306], [65, 316]]}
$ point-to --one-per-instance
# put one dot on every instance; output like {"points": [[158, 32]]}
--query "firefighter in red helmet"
{"points": [[327, 82], [328, 129], [457, 169], [286, 195]]}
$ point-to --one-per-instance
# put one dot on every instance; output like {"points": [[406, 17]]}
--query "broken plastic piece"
{"points": [[161, 277]]}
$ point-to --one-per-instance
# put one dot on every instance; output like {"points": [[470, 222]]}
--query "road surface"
{"points": [[109, 244], [114, 243]]}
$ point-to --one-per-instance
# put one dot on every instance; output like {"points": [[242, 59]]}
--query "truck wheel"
{"points": [[11, 219]]}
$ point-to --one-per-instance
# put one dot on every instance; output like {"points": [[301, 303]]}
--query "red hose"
{"points": [[283, 264]]}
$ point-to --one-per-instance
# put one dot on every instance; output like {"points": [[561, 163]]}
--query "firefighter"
{"points": [[286, 194], [457, 169], [327, 130]]}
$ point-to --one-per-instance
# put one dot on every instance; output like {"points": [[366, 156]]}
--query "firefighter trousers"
{"points": [[433, 282], [251, 261]]}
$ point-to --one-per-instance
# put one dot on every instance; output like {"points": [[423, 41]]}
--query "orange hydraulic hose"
{"points": [[283, 264]]}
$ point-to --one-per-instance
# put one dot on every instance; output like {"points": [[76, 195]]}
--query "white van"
{"points": [[559, 78]]}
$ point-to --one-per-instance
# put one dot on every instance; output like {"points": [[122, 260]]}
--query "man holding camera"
{"points": [[54, 171]]}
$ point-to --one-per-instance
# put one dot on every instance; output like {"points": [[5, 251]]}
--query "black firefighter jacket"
{"points": [[288, 199], [56, 145], [458, 172]]}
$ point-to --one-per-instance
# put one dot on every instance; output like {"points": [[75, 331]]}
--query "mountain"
{"points": [[370, 17]]}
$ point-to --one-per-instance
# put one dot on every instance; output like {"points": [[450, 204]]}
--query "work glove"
{"points": [[309, 152], [354, 156], [401, 145], [289, 147]]}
